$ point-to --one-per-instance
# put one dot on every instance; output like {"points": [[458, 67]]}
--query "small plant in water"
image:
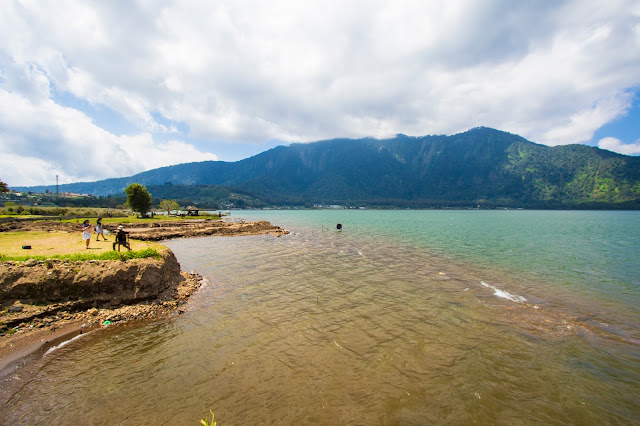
{"points": [[206, 422]]}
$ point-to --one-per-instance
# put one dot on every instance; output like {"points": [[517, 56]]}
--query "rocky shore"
{"points": [[42, 300], [158, 230]]}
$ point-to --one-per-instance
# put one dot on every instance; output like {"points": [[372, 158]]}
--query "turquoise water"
{"points": [[403, 317], [587, 251]]}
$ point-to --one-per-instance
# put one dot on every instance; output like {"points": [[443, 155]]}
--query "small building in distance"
{"points": [[192, 211]]}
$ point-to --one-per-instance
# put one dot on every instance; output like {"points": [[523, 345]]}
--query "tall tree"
{"points": [[169, 205], [3, 187], [138, 198]]}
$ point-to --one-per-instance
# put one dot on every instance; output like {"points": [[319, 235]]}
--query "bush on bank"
{"points": [[20, 210]]}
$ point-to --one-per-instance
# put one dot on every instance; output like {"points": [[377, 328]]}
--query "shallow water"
{"points": [[400, 318]]}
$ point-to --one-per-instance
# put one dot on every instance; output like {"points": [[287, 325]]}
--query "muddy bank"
{"points": [[157, 230], [39, 298], [87, 282], [42, 300]]}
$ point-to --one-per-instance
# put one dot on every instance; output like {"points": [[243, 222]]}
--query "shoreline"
{"points": [[16, 353], [142, 289], [34, 334]]}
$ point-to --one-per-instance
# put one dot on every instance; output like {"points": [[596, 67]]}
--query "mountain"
{"points": [[481, 165]]}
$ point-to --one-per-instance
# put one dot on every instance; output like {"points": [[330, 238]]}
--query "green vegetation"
{"points": [[483, 167], [138, 199], [108, 255], [59, 244], [210, 197], [13, 209], [206, 422], [49, 199], [169, 205]]}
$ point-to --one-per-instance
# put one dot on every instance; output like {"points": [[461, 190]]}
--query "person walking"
{"points": [[99, 230], [87, 229]]}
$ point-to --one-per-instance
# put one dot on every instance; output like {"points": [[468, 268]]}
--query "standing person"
{"points": [[87, 229], [99, 230]]}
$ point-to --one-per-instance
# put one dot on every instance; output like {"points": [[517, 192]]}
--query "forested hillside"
{"points": [[480, 166]]}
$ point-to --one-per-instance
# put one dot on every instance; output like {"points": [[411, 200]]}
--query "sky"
{"points": [[96, 89]]}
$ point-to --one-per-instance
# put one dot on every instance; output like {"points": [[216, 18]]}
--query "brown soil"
{"points": [[158, 230], [42, 300]]}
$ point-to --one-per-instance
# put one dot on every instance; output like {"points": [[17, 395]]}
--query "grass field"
{"points": [[134, 219], [121, 219], [60, 244]]}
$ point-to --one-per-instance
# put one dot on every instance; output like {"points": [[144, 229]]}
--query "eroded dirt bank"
{"points": [[39, 300], [33, 290], [157, 230]]}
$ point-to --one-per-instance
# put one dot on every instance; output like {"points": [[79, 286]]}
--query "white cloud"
{"points": [[581, 126], [39, 141], [20, 170], [252, 71], [616, 145], [28, 80]]}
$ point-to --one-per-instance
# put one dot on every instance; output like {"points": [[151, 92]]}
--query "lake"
{"points": [[401, 317]]}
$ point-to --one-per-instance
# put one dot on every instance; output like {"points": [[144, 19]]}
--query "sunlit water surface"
{"points": [[403, 317]]}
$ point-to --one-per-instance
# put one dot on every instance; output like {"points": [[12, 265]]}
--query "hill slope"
{"points": [[480, 165]]}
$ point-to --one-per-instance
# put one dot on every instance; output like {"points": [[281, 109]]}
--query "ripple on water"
{"points": [[321, 328]]}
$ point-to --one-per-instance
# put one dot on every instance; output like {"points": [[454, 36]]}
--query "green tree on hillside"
{"points": [[138, 198], [3, 187], [169, 205]]}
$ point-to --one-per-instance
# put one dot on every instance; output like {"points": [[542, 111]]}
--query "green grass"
{"points": [[91, 213], [35, 211], [59, 244], [134, 219], [109, 255], [207, 422]]}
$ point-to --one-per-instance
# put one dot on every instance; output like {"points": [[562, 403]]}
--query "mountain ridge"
{"points": [[479, 165]]}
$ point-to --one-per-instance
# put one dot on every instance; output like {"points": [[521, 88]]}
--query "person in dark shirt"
{"points": [[122, 239]]}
